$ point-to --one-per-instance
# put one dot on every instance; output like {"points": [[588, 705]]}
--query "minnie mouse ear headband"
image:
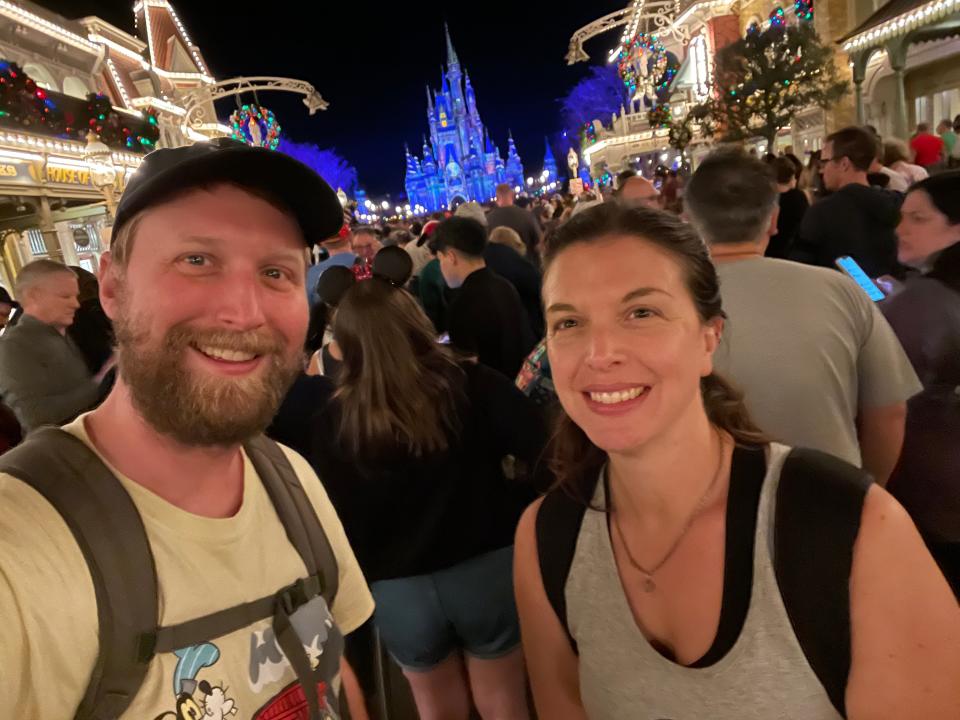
{"points": [[392, 265], [334, 283]]}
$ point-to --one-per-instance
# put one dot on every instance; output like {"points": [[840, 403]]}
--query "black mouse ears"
{"points": [[392, 265], [334, 283]]}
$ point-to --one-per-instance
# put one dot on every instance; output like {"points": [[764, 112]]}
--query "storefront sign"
{"points": [[67, 175]]}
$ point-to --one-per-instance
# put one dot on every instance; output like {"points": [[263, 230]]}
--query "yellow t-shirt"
{"points": [[48, 611]]}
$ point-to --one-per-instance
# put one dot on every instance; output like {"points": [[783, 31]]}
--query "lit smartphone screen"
{"points": [[851, 268]]}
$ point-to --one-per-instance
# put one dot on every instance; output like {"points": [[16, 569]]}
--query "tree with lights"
{"points": [[327, 163], [766, 78], [597, 96]]}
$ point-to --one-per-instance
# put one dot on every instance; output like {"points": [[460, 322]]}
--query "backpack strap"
{"points": [[296, 513], [98, 510], [557, 528], [307, 536], [819, 505]]}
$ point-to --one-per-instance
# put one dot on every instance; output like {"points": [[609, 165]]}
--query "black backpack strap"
{"points": [[819, 505], [557, 529], [306, 534], [98, 510], [296, 513]]}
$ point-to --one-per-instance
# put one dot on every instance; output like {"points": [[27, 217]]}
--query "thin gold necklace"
{"points": [[648, 582]]}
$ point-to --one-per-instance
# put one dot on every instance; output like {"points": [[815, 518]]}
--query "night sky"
{"points": [[371, 62]]}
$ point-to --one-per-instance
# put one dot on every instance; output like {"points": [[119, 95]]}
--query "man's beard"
{"points": [[198, 409]]}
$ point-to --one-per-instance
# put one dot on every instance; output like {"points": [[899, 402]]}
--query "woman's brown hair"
{"points": [[574, 460], [398, 388]]}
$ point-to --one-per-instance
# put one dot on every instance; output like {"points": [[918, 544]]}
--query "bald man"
{"points": [[637, 190]]}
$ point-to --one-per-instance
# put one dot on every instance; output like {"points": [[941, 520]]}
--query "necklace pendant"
{"points": [[649, 585]]}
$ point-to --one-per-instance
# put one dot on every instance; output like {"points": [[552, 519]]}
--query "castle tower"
{"points": [[549, 163], [414, 181], [514, 168], [459, 158]]}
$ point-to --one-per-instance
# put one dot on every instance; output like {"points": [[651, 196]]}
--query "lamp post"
{"points": [[103, 173]]}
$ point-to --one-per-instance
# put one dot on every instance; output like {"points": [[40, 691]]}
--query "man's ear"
{"points": [[110, 281]]}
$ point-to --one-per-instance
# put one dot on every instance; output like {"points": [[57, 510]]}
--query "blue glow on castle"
{"points": [[459, 161]]}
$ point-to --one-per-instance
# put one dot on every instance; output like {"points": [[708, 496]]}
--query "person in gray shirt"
{"points": [[43, 376], [506, 214], [819, 365]]}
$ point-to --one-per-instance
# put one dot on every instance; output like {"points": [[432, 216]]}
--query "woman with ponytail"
{"points": [[684, 565], [926, 317]]}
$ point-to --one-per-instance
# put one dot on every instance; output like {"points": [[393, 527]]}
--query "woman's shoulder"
{"points": [[481, 379]]}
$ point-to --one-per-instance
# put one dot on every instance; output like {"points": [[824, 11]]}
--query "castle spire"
{"points": [[452, 58]]}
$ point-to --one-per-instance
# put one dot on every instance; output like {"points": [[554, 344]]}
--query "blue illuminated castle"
{"points": [[459, 161]]}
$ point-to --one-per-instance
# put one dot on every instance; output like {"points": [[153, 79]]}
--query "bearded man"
{"points": [[205, 286]]}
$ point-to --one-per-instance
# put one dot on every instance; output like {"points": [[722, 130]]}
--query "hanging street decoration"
{"points": [[647, 69], [660, 116], [112, 129], [803, 9], [26, 106], [255, 125]]}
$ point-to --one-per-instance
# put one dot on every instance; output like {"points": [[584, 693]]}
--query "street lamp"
{"points": [[103, 173]]}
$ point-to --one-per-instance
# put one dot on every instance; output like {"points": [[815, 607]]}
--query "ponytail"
{"points": [[727, 411]]}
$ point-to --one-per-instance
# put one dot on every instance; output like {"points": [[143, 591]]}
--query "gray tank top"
{"points": [[764, 676]]}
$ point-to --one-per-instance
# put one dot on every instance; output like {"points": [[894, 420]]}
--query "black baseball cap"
{"points": [[168, 171]]}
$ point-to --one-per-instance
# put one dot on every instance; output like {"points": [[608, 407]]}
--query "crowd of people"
{"points": [[646, 451]]}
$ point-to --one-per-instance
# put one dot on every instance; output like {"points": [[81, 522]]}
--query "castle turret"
{"points": [[414, 181], [471, 97], [514, 168], [549, 163], [452, 60]]}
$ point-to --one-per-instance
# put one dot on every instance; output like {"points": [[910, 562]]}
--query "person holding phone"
{"points": [[926, 317]]}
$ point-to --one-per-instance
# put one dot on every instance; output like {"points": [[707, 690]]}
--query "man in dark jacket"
{"points": [[525, 278], [486, 318], [856, 220], [44, 378]]}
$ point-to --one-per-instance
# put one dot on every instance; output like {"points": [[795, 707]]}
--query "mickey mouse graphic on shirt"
{"points": [[213, 703]]}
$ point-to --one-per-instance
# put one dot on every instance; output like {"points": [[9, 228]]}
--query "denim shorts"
{"points": [[465, 608]]}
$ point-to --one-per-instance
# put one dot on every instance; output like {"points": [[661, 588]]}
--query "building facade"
{"points": [[459, 162], [901, 57], [51, 203]]}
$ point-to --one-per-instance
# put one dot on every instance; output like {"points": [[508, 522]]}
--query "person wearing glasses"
{"points": [[856, 219]]}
